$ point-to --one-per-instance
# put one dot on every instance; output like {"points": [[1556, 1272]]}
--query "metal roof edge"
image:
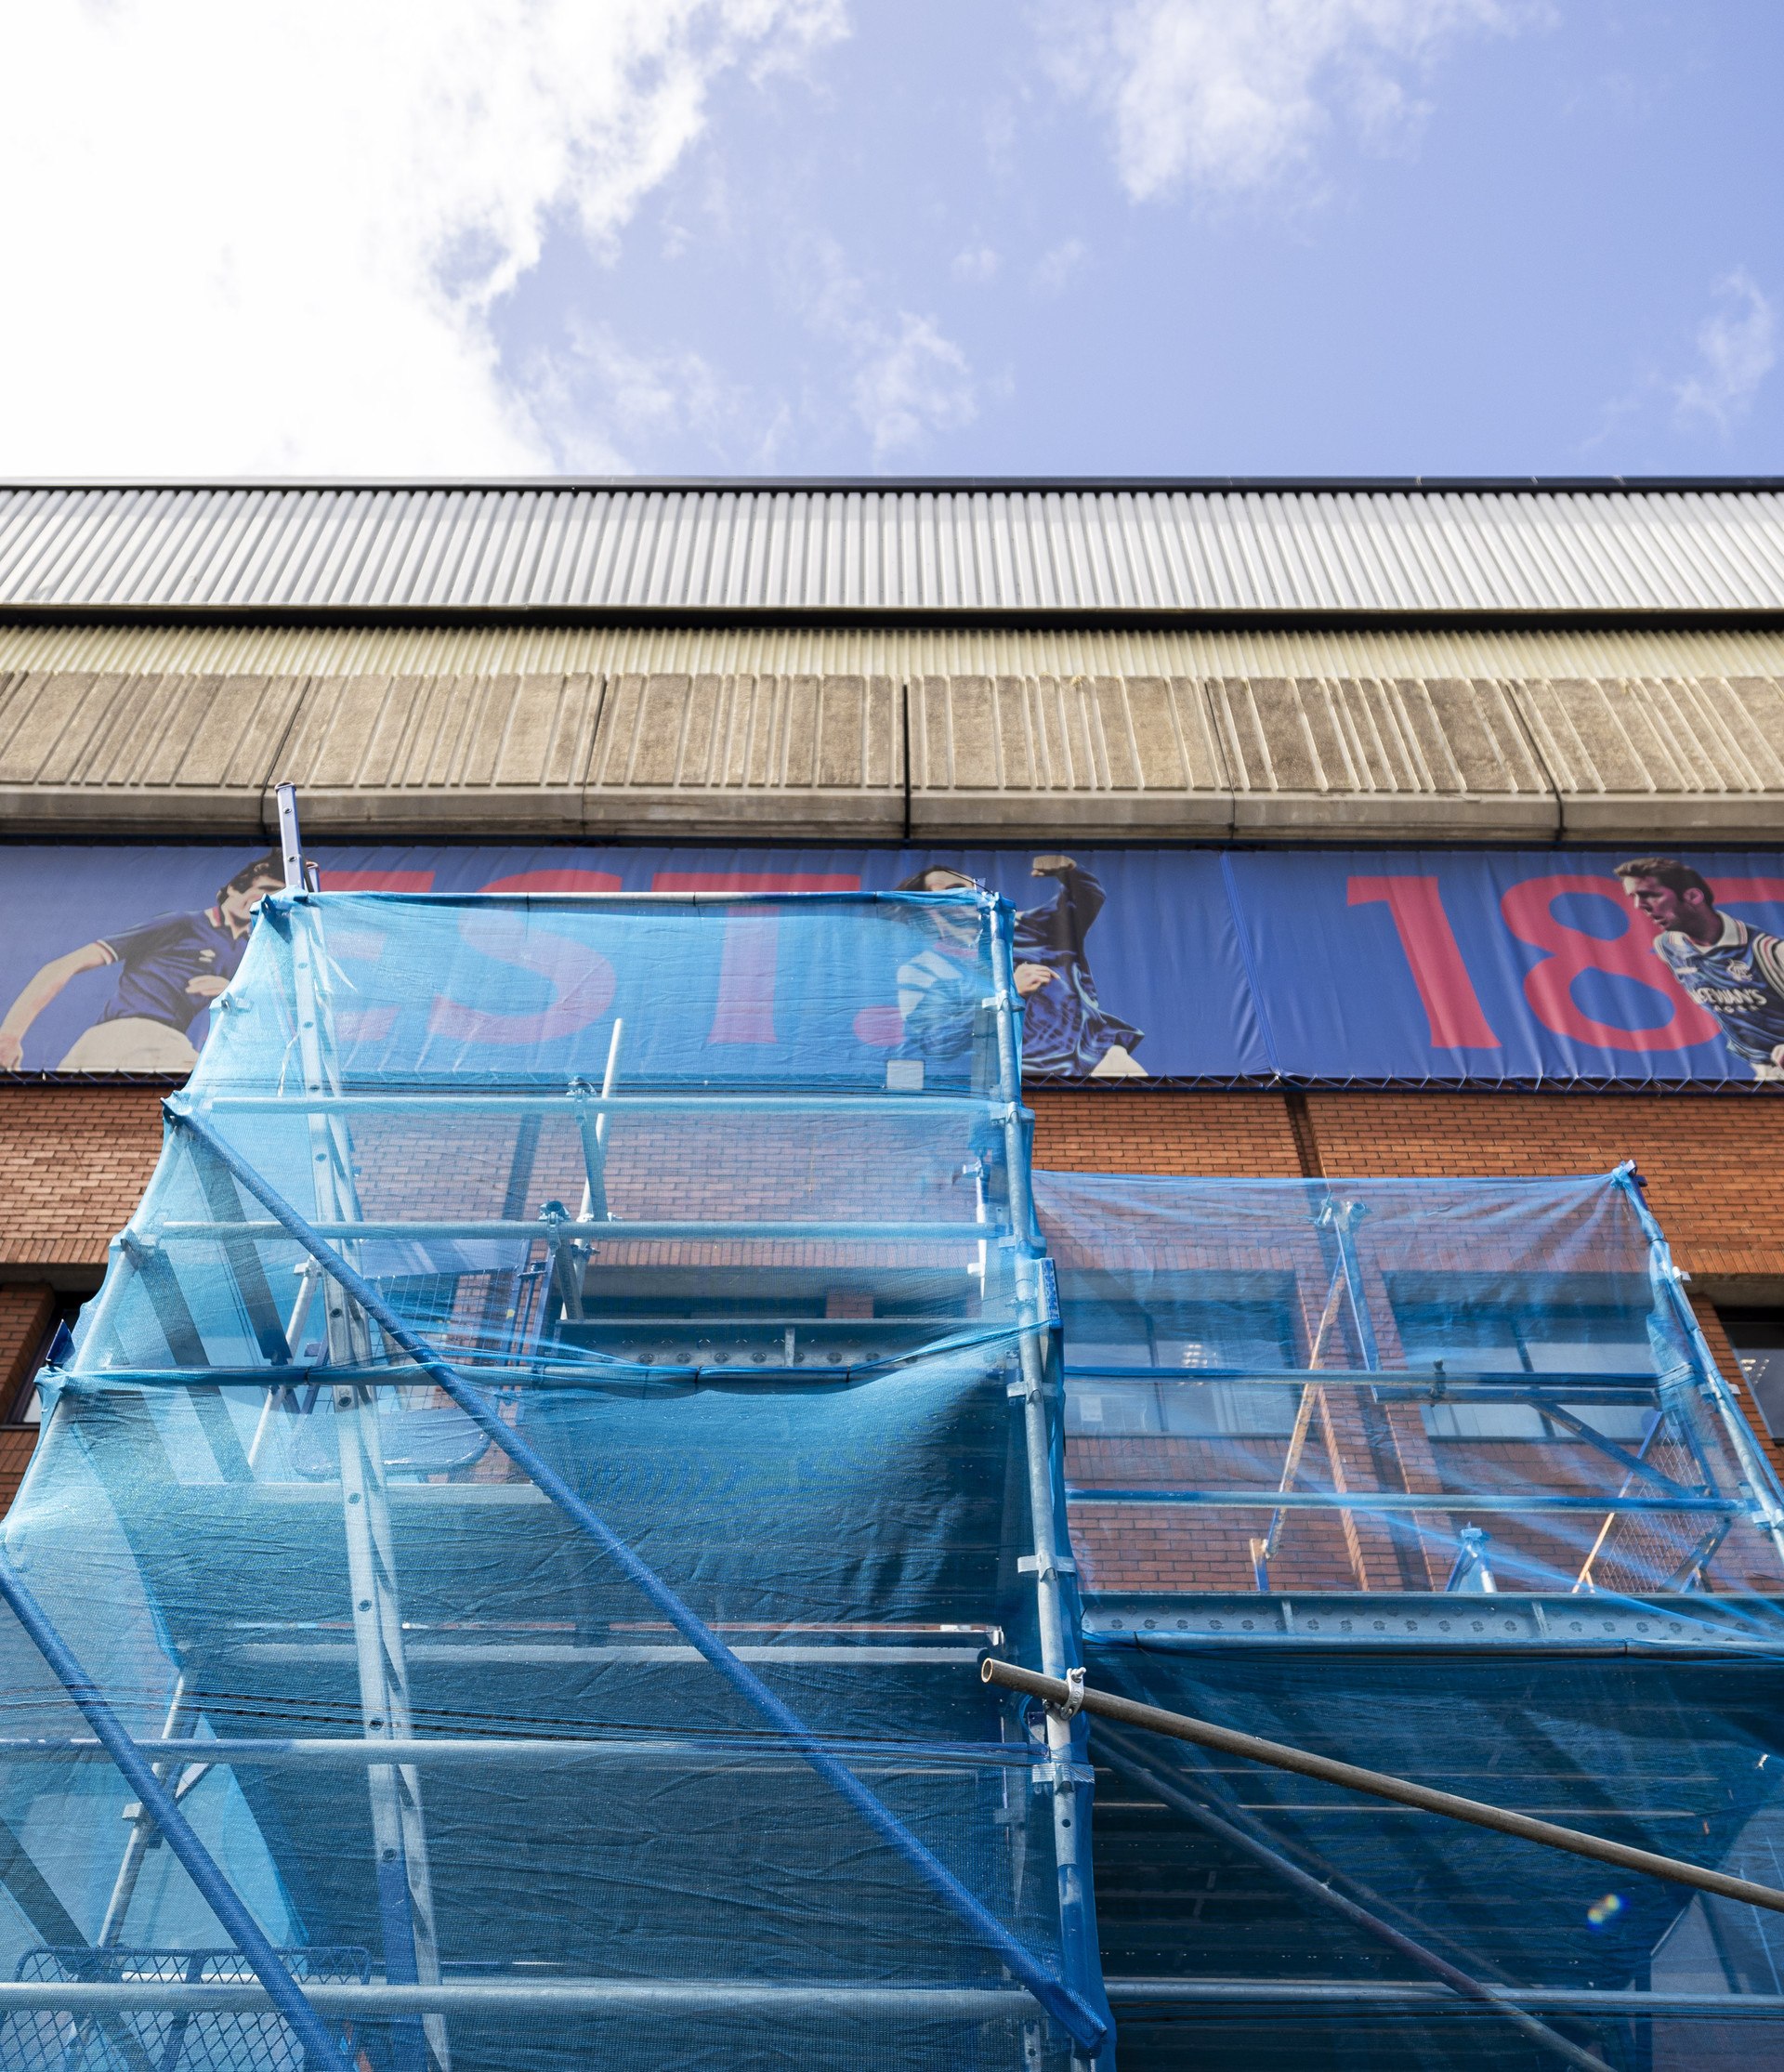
{"points": [[1239, 485], [1223, 618]]}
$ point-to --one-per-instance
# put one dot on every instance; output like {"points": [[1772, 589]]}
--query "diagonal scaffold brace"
{"points": [[1073, 2013], [321, 2050]]}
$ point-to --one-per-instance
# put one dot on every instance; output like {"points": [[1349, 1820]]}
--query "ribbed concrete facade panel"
{"points": [[1682, 756], [1373, 758], [1639, 738], [1133, 754], [1011, 549], [777, 757], [430, 753], [91, 753]]}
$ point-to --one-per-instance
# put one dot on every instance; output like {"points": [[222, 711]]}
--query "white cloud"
{"points": [[1054, 268], [914, 382], [604, 398], [271, 238], [1226, 96], [1737, 348], [978, 263], [908, 380]]}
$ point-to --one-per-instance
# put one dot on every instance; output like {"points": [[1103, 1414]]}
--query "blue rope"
{"points": [[219, 1895], [1074, 2013]]}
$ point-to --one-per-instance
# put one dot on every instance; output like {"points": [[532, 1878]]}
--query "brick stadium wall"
{"points": [[1714, 1164], [74, 1160], [73, 1163]]}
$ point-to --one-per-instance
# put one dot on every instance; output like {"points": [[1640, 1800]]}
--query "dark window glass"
{"points": [[1757, 1336]]}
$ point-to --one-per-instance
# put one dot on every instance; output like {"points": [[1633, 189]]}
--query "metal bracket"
{"points": [[1074, 1698]]}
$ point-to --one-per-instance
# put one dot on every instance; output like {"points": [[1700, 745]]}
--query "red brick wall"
{"points": [[73, 1163], [74, 1160], [1713, 1165], [1132, 1130]]}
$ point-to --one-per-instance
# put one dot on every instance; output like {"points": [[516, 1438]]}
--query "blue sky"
{"points": [[835, 237]]}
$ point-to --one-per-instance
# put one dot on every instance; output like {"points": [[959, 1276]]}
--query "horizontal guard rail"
{"points": [[559, 1102], [545, 1997], [611, 1232], [1073, 2013], [1411, 1499], [1181, 1726]]}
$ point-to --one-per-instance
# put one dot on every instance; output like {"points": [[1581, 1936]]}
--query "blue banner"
{"points": [[1325, 965]]}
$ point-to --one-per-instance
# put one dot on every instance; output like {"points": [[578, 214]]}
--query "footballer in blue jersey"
{"points": [[1735, 971], [1067, 1031], [170, 970]]}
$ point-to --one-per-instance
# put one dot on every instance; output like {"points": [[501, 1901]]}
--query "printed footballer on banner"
{"points": [[1067, 1032], [170, 969], [1734, 972]]}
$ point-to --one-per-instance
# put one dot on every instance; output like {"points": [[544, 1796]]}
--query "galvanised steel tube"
{"points": [[910, 1106], [219, 1894], [617, 1232], [542, 1996], [1070, 1792], [1181, 1726], [1075, 2015], [1414, 1500]]}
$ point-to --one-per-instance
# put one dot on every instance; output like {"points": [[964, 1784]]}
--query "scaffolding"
{"points": [[503, 1581], [1437, 1477], [503, 1578]]}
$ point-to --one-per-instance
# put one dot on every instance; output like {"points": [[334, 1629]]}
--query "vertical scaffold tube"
{"points": [[1071, 1792]]}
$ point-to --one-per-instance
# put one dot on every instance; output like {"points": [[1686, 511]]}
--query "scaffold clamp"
{"points": [[1070, 1706]]}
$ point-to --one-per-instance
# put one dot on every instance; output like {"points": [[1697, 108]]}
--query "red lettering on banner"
{"points": [[580, 978], [749, 952], [1548, 985], [1445, 992], [377, 881], [557, 881]]}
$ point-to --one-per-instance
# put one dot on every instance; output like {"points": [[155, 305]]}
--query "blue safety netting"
{"points": [[1439, 1477], [540, 1501], [1267, 1379]]}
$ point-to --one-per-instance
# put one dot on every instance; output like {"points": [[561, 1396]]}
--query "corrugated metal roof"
{"points": [[1024, 550]]}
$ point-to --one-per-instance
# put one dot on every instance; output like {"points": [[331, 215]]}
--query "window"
{"points": [[1178, 1325], [1757, 1336], [1578, 1326], [24, 1408]]}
